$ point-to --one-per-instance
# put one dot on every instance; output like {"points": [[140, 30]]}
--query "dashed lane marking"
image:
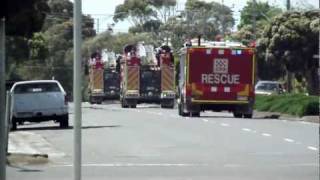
{"points": [[266, 134], [246, 129], [224, 124], [312, 148], [205, 120], [288, 140]]}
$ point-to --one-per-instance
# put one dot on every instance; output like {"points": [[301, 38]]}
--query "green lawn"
{"points": [[294, 104]]}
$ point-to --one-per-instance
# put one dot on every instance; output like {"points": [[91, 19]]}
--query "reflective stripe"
{"points": [[133, 78], [167, 78]]}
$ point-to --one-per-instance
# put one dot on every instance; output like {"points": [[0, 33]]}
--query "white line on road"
{"points": [[205, 120], [288, 140], [299, 165], [135, 165], [312, 148], [224, 124], [266, 134], [246, 129]]}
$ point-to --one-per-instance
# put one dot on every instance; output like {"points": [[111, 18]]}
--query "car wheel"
{"points": [[64, 121], [249, 116]]}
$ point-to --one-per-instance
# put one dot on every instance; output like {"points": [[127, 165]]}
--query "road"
{"points": [[149, 143]]}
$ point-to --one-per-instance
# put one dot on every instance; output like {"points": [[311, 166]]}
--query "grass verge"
{"points": [[294, 104]]}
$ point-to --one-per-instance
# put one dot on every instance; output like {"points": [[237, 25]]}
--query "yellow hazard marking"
{"points": [[245, 92]]}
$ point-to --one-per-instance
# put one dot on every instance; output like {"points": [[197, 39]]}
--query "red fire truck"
{"points": [[217, 76], [147, 82]]}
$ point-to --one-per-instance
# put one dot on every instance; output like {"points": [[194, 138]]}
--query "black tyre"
{"points": [[99, 102], [13, 125], [248, 116], [179, 110], [64, 121], [123, 105], [195, 114], [133, 106], [237, 115]]}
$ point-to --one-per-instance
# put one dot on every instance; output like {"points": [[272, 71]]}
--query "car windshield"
{"points": [[36, 88], [267, 87]]}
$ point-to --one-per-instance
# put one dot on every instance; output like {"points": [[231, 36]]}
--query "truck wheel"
{"points": [[123, 105], [237, 115], [133, 106], [171, 106], [179, 110], [248, 116], [13, 125], [64, 121], [195, 114]]}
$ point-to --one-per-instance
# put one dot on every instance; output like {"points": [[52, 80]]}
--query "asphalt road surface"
{"points": [[150, 143]]}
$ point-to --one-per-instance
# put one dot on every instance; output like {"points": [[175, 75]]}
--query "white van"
{"points": [[36, 101]]}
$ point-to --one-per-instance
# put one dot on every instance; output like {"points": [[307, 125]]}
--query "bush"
{"points": [[294, 104]]}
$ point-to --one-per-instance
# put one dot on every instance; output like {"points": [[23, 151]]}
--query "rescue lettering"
{"points": [[220, 78]]}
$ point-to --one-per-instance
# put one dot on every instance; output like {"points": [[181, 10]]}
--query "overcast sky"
{"points": [[103, 9]]}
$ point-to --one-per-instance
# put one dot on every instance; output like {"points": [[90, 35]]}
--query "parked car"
{"points": [[37, 101], [269, 87]]}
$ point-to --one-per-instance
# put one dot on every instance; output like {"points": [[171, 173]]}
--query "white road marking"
{"points": [[205, 120], [288, 140], [266, 134], [134, 165], [224, 124], [233, 165], [246, 129], [312, 148], [299, 165], [160, 113]]}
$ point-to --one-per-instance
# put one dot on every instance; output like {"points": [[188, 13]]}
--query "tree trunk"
{"points": [[289, 81], [312, 77]]}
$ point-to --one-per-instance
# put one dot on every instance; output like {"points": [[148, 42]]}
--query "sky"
{"points": [[102, 10]]}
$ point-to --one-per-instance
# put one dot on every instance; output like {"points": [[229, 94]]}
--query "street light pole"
{"points": [[77, 41], [254, 20], [3, 135]]}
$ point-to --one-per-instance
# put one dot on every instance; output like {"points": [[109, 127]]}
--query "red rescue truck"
{"points": [[130, 77], [217, 76]]}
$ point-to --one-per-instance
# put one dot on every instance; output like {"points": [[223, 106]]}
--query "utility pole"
{"points": [[98, 25], [254, 20], [77, 76], [289, 74], [3, 131], [288, 5]]}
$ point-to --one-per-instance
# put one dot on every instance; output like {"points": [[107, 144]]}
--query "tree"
{"points": [[292, 39], [136, 11], [25, 17], [48, 53], [164, 9], [210, 18], [264, 14]]}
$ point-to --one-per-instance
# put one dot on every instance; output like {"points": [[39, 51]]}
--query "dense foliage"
{"points": [[287, 104]]}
